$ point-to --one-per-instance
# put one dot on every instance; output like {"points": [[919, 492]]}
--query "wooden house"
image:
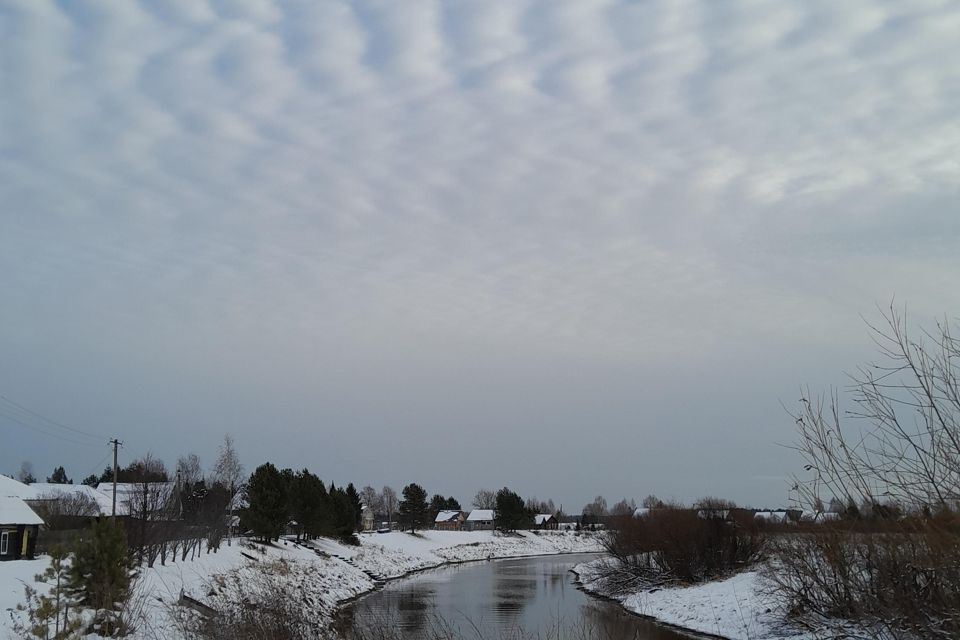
{"points": [[19, 527], [480, 520], [449, 521]]}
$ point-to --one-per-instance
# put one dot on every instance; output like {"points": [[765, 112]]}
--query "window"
{"points": [[4, 542]]}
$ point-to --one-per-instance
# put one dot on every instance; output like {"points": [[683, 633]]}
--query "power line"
{"points": [[49, 420], [45, 432]]}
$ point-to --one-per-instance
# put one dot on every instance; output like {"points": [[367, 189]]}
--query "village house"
{"points": [[366, 518], [449, 521], [19, 528], [480, 520], [545, 521]]}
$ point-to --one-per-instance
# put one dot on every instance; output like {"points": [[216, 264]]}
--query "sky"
{"points": [[573, 248]]}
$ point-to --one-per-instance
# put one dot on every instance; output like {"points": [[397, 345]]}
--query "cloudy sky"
{"points": [[570, 247]]}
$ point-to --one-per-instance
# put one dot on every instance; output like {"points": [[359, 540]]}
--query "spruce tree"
{"points": [[99, 576], [512, 513], [414, 509], [59, 476], [266, 514], [356, 505]]}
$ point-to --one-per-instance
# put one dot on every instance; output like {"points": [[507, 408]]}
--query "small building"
{"points": [[19, 527], [480, 520], [772, 517], [448, 521], [366, 518], [545, 521]]}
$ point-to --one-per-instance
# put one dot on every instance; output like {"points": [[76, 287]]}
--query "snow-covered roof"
{"points": [[640, 512], [10, 487], [131, 493], [15, 511], [480, 515], [541, 518], [447, 516], [51, 491]]}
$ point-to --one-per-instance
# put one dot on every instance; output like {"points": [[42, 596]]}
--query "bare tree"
{"points": [[189, 469], [64, 509], [597, 508], [371, 499], [909, 403], [485, 499], [389, 503], [624, 508], [229, 472], [651, 502]]}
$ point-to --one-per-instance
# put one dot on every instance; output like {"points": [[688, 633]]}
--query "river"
{"points": [[522, 598]]}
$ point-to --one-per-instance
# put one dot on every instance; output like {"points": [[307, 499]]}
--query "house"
{"points": [[144, 500], [545, 521], [89, 500], [772, 517], [19, 527], [641, 512], [480, 520], [10, 487], [366, 518], [448, 521]]}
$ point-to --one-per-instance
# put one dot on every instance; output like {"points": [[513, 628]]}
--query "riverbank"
{"points": [[735, 608], [325, 572]]}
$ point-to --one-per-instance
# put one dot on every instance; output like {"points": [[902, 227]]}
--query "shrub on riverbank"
{"points": [[898, 578], [679, 545]]}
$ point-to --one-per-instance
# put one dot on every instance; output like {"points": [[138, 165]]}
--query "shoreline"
{"points": [[578, 582]]}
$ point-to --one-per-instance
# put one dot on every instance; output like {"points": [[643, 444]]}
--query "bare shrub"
{"points": [[898, 578], [896, 573], [679, 545]]}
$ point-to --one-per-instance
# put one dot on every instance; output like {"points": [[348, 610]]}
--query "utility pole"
{"points": [[116, 443]]}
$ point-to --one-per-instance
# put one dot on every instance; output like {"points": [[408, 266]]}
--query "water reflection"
{"points": [[527, 598]]}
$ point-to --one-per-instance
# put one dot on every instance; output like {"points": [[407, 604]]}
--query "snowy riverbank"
{"points": [[326, 572], [737, 608]]}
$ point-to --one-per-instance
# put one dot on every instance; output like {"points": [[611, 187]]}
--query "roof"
{"points": [[16, 511], [10, 487], [447, 516], [51, 491], [541, 518], [480, 515], [131, 493], [640, 512]]}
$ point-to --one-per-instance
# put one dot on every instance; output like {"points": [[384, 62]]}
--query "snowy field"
{"points": [[325, 579], [738, 608]]}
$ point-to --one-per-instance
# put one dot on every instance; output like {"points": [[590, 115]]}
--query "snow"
{"points": [[479, 515], [51, 491], [446, 516], [10, 487], [15, 511], [327, 571], [738, 608], [541, 518]]}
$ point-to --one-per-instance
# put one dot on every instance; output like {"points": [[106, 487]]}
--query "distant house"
{"points": [[19, 527], [366, 518], [144, 500], [95, 501], [449, 521], [480, 520], [641, 512], [772, 517], [545, 521]]}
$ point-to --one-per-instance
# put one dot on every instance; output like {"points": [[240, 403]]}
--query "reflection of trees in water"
{"points": [[513, 589]]}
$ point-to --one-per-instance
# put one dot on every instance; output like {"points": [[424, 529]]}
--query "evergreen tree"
{"points": [[357, 505], [51, 615], [91, 480], [414, 510], [308, 502], [266, 514], [99, 576], [453, 504], [342, 518], [59, 476], [512, 513], [437, 504]]}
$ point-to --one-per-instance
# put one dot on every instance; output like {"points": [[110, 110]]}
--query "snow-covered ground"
{"points": [[739, 607], [326, 579]]}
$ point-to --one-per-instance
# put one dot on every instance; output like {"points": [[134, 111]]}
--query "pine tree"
{"points": [[414, 510], [437, 504], [59, 476], [342, 518], [100, 574], [51, 616], [356, 505], [453, 504], [266, 514], [512, 513]]}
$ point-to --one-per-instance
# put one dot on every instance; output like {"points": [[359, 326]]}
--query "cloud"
{"points": [[662, 183]]}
